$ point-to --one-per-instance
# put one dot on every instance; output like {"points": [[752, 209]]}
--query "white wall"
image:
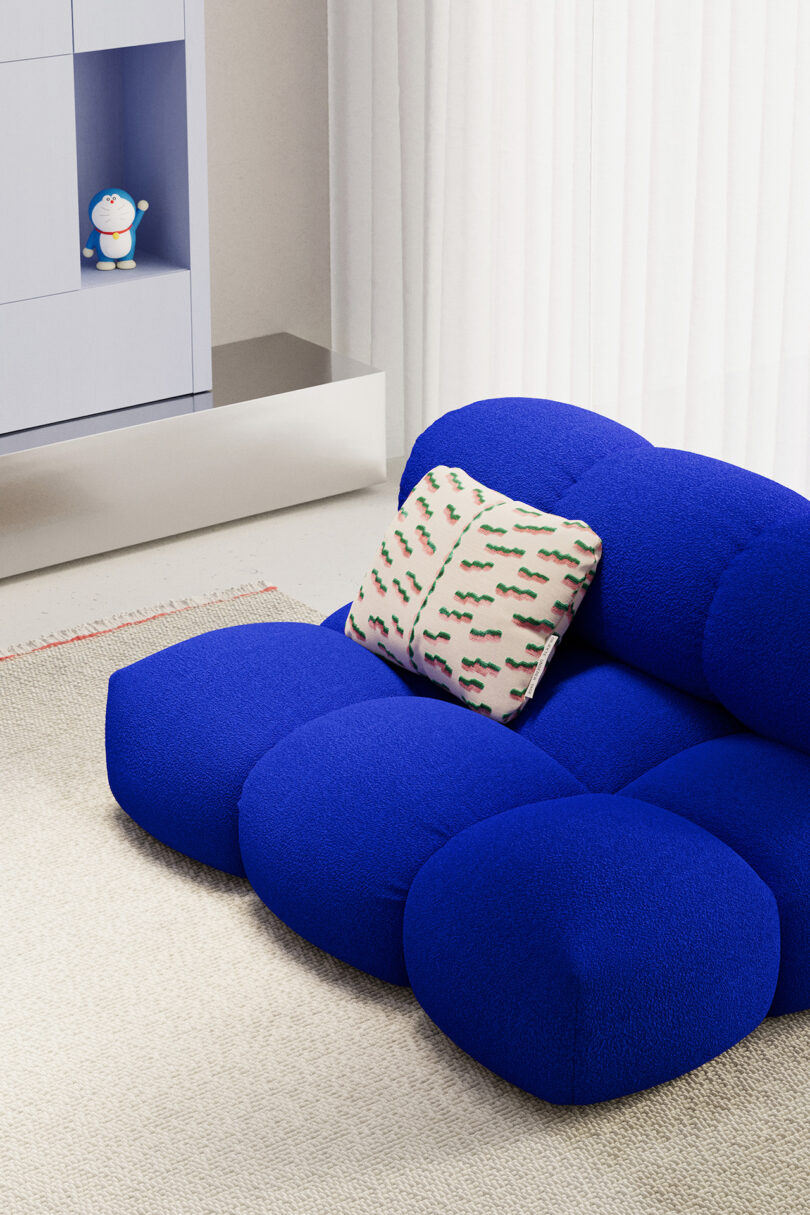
{"points": [[268, 147]]}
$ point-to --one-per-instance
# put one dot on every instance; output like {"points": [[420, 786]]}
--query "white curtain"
{"points": [[602, 201]]}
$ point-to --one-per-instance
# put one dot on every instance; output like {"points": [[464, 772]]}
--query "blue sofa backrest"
{"points": [[705, 577]]}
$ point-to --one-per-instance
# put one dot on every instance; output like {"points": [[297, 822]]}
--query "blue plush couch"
{"points": [[597, 899]]}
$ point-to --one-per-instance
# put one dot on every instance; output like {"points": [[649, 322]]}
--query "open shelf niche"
{"points": [[131, 132]]}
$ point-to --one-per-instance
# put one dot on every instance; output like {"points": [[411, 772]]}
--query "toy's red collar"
{"points": [[118, 231]]}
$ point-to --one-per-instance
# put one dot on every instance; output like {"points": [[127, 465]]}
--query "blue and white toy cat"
{"points": [[115, 220]]}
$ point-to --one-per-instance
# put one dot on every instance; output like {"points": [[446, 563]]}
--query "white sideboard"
{"points": [[113, 430], [286, 422]]}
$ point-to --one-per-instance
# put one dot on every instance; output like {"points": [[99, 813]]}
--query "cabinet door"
{"points": [[30, 28], [40, 246], [100, 24], [122, 341]]}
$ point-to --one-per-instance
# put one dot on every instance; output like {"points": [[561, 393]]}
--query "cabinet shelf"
{"points": [[148, 266]]}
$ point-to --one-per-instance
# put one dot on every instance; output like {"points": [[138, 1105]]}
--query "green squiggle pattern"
{"points": [[463, 633], [443, 567]]}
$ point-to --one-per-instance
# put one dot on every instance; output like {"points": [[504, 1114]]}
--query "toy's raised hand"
{"points": [[143, 205], [87, 252]]}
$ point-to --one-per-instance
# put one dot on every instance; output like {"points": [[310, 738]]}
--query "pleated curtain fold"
{"points": [[601, 201]]}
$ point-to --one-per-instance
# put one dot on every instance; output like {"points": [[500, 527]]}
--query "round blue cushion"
{"points": [[754, 795], [756, 648], [670, 523], [186, 725], [528, 448], [336, 820], [591, 947], [607, 723]]}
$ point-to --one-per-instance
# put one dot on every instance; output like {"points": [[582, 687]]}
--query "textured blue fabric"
{"points": [[335, 821], [587, 946], [689, 544], [670, 523], [755, 796], [186, 725], [608, 723], [601, 719], [757, 643], [337, 620], [527, 448], [591, 947]]}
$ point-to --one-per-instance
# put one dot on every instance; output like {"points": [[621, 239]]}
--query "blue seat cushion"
{"points": [[186, 725], [591, 947], [601, 719], [336, 819], [755, 796], [608, 723]]}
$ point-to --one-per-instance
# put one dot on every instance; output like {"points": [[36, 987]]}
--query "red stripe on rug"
{"points": [[126, 624]]}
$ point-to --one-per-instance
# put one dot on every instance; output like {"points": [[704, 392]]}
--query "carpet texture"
{"points": [[169, 1046]]}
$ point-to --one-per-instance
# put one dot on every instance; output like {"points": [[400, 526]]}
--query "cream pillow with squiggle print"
{"points": [[474, 590]]}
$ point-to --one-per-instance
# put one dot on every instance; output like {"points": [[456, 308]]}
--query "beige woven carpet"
{"points": [[169, 1046]]}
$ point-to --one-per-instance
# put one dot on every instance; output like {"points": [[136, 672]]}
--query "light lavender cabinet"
{"points": [[125, 109], [31, 28], [127, 344], [38, 202], [101, 24]]}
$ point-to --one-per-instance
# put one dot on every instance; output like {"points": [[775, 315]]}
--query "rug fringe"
{"points": [[109, 624]]}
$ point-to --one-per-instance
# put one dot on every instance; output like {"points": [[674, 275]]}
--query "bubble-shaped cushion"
{"points": [[530, 449], [671, 521], [608, 723], [186, 725], [756, 648], [755, 796], [591, 947], [336, 820]]}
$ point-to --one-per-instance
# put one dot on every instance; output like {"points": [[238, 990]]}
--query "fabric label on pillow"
{"points": [[542, 663], [473, 590]]}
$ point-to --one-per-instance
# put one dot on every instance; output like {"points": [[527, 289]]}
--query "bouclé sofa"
{"points": [[597, 898]]}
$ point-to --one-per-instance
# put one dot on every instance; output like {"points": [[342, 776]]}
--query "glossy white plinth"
{"points": [[287, 422]]}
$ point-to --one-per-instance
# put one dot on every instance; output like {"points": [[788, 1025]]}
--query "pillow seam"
{"points": [[446, 561]]}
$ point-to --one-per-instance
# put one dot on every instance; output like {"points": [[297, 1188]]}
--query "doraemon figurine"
{"points": [[115, 220]]}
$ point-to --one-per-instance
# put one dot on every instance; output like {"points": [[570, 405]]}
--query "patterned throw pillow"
{"points": [[474, 590]]}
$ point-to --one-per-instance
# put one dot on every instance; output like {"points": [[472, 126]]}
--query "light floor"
{"points": [[317, 552]]}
